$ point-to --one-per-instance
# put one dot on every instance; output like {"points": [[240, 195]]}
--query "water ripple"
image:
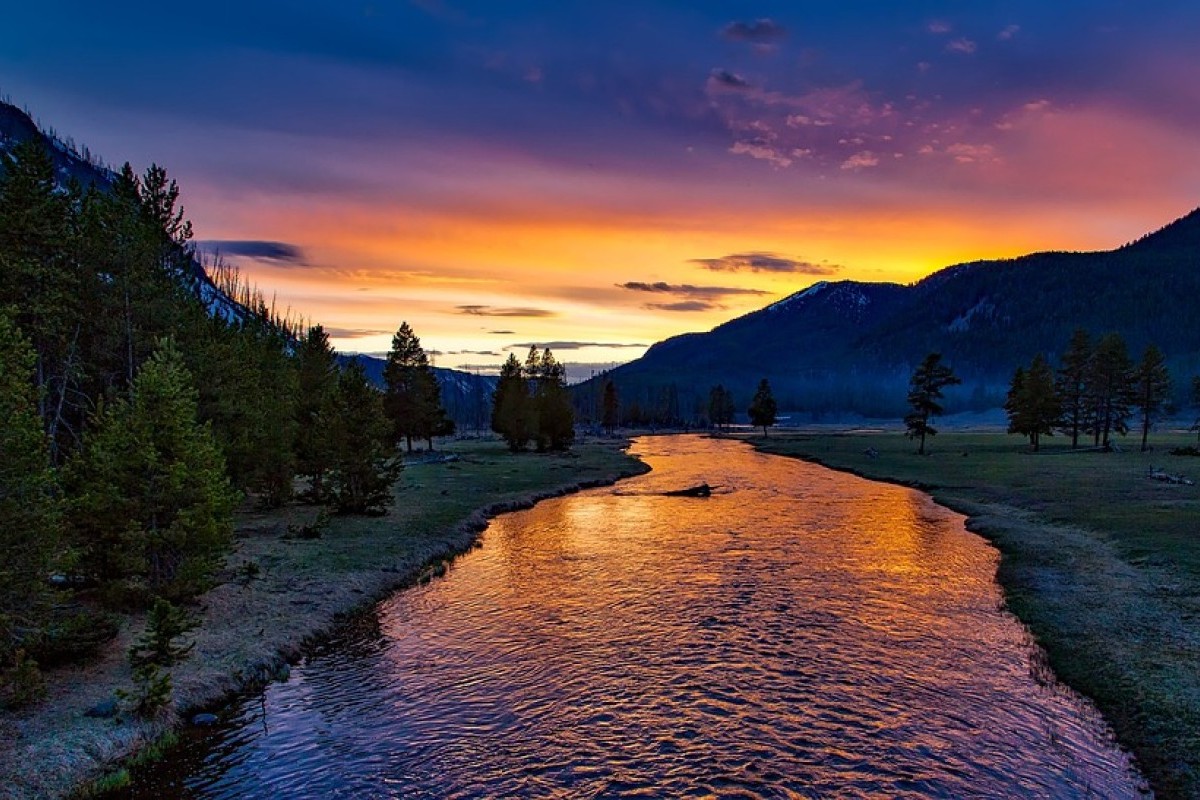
{"points": [[801, 633]]}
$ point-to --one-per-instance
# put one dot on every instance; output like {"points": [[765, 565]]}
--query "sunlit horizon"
{"points": [[600, 179]]}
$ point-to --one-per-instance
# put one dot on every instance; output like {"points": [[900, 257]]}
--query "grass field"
{"points": [[1102, 563], [280, 592]]}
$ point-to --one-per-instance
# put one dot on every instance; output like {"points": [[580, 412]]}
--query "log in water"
{"points": [[800, 633]]}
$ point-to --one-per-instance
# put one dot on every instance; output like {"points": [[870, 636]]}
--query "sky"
{"points": [[598, 176]]}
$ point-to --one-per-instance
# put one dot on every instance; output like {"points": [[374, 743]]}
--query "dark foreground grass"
{"points": [[280, 593], [1100, 562]]}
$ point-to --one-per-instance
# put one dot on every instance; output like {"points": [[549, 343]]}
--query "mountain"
{"points": [[849, 347], [73, 163]]}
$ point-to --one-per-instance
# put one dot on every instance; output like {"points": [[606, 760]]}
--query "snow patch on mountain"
{"points": [[811, 291], [962, 323]]}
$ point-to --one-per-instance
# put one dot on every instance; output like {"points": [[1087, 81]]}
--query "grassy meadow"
{"points": [[1102, 563]]}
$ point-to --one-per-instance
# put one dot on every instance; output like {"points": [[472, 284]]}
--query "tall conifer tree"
{"points": [[29, 509], [1071, 385], [925, 389], [1151, 387], [153, 508]]}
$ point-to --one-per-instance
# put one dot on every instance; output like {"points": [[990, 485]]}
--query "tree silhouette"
{"points": [[1151, 387], [317, 383], [364, 466], [720, 406], [925, 389], [1071, 385], [762, 407], [1111, 383], [612, 408], [1032, 404], [511, 408]]}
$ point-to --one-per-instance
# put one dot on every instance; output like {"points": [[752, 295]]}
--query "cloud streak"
{"points": [[569, 345], [353, 333], [684, 305], [761, 261], [503, 311], [280, 252], [688, 290]]}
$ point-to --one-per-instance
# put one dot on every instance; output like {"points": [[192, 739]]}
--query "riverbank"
{"points": [[1102, 564], [279, 593]]}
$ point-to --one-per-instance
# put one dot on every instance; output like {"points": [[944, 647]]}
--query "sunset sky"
{"points": [[597, 176]]}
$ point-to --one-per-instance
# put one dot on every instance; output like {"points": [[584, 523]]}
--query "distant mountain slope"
{"points": [[849, 347], [466, 396]]}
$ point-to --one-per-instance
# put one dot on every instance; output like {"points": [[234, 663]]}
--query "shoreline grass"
{"points": [[259, 619], [1101, 563]]}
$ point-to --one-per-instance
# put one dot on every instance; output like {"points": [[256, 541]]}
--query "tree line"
{"points": [[531, 404], [1095, 392]]}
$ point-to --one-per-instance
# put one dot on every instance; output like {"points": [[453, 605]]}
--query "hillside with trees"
{"points": [[144, 398], [849, 347]]}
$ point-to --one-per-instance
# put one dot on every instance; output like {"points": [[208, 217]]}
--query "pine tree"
{"points": [[720, 407], [1033, 406], [762, 408], [554, 413], [364, 463], [413, 398], [152, 506], [1111, 382], [1071, 386], [317, 381], [29, 509], [39, 275], [1151, 387], [925, 389], [512, 415], [611, 408]]}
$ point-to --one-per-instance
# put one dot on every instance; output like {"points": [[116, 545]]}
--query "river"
{"points": [[801, 633]]}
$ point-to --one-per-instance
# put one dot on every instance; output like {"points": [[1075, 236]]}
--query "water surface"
{"points": [[802, 633]]}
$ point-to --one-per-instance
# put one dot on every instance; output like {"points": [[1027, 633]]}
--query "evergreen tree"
{"points": [[152, 506], [925, 389], [248, 393], [364, 465], [512, 415], [317, 381], [720, 407], [1071, 386], [553, 410], [1151, 387], [1111, 382], [435, 421], [413, 398], [611, 408], [1033, 406], [40, 277], [29, 509], [762, 407]]}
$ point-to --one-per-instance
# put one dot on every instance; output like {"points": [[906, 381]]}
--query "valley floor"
{"points": [[1102, 563], [280, 593]]}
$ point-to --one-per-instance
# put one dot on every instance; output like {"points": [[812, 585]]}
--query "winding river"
{"points": [[801, 633]]}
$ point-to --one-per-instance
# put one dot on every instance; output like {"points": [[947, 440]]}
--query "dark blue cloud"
{"points": [[281, 252]]}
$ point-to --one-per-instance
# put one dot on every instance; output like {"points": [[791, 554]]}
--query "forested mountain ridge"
{"points": [[848, 346]]}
